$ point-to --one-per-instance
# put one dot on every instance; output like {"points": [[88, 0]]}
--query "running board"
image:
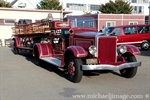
{"points": [[52, 60]]}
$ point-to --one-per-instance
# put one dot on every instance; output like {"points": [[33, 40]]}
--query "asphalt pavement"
{"points": [[22, 79]]}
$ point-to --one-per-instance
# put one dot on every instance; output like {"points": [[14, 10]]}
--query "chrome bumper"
{"points": [[111, 67]]}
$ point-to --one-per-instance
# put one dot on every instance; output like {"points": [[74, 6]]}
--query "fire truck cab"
{"points": [[75, 49]]}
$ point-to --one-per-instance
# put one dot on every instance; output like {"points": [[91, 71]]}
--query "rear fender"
{"points": [[77, 51], [42, 50], [133, 50], [17, 42]]}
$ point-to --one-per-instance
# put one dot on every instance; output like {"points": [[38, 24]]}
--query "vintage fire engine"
{"points": [[75, 49]]}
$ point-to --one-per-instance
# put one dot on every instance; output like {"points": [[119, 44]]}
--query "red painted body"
{"points": [[133, 50], [107, 50], [76, 42], [132, 34], [44, 50], [78, 51]]}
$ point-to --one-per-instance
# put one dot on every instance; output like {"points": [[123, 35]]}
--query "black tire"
{"points": [[16, 51], [74, 69], [38, 61], [129, 72], [145, 46], [41, 63]]}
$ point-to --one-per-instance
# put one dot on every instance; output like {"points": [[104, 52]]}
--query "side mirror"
{"points": [[113, 34], [107, 33]]}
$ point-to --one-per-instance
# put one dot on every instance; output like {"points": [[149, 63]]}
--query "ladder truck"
{"points": [[75, 49]]}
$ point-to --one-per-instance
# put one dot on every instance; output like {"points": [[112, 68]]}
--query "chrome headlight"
{"points": [[92, 49], [122, 49]]}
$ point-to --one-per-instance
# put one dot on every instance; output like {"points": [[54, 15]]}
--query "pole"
{"points": [[62, 11], [149, 14]]}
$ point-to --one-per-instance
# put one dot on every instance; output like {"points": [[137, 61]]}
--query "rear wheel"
{"points": [[38, 62], [74, 69], [129, 72], [37, 58], [16, 51], [145, 45]]}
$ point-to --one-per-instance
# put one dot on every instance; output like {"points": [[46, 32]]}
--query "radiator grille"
{"points": [[107, 50]]}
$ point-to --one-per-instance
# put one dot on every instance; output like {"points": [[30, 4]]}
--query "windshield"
{"points": [[65, 33], [108, 29], [82, 22]]}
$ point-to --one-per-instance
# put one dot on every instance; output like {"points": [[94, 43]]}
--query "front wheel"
{"points": [[129, 72], [145, 45], [74, 69]]}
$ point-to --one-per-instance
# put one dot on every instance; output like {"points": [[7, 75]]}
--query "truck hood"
{"points": [[88, 34]]}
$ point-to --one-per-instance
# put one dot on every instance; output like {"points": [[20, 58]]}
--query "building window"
{"points": [[146, 22], [138, 9], [67, 5], [135, 8], [133, 23], [82, 21], [94, 7], [110, 23], [1, 21], [91, 24], [74, 6], [133, 1], [145, 1], [9, 21]]}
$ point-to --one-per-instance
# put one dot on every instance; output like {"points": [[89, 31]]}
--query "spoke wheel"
{"points": [[74, 69], [129, 72]]}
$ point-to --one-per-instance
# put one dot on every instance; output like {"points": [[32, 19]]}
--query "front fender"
{"points": [[133, 50], [78, 51]]}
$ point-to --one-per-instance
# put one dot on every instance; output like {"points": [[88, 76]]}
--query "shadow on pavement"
{"points": [[47, 66], [145, 53], [51, 68]]}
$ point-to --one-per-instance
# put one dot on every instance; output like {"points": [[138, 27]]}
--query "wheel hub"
{"points": [[145, 45], [71, 68]]}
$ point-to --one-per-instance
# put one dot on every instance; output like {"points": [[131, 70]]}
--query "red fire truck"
{"points": [[75, 50]]}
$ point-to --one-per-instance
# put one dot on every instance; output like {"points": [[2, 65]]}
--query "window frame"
{"points": [[133, 22], [142, 29], [128, 30], [2, 22], [134, 1], [9, 20], [110, 23], [116, 31]]}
